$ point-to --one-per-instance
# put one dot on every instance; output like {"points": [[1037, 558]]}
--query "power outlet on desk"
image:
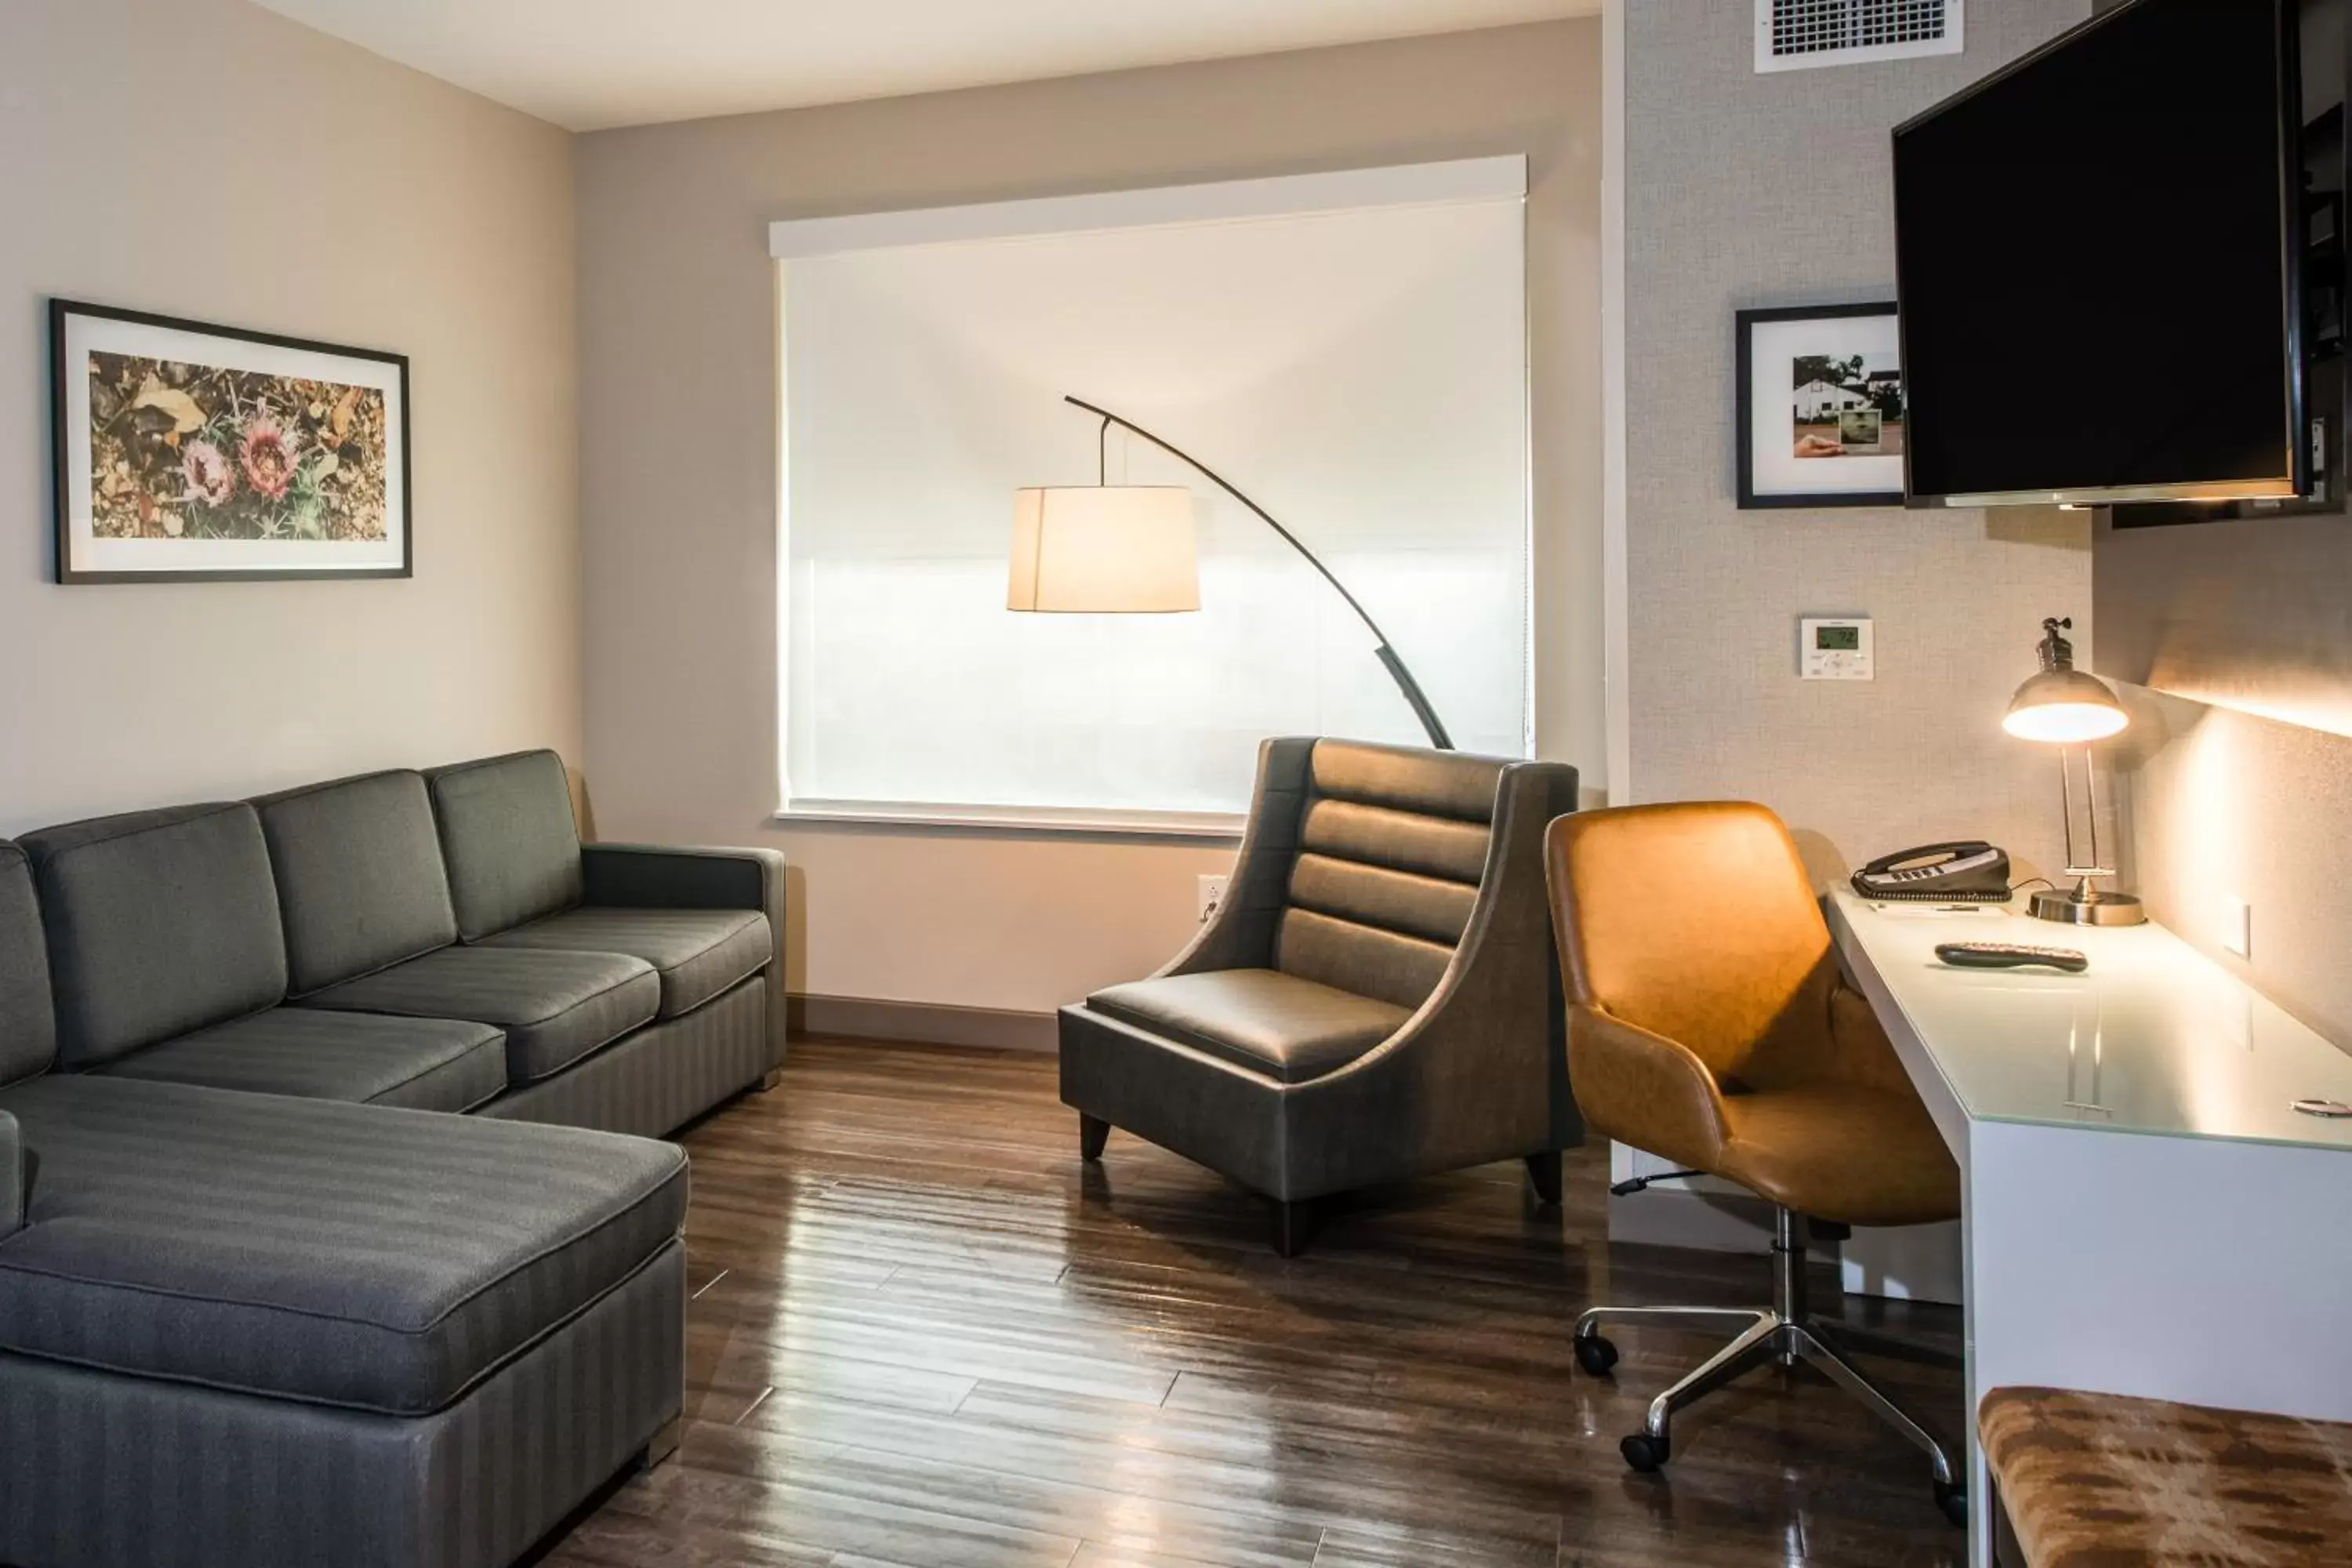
{"points": [[1213, 896]]}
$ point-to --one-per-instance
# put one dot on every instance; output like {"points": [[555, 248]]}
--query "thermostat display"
{"points": [[1835, 650]]}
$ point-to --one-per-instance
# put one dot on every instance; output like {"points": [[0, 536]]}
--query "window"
{"points": [[1358, 365]]}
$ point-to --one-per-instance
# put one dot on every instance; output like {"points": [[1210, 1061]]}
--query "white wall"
{"points": [[208, 159], [679, 457]]}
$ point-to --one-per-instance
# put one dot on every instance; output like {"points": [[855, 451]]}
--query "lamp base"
{"points": [[2087, 907]]}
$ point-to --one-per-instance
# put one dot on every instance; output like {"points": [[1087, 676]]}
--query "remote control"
{"points": [[2007, 955]]}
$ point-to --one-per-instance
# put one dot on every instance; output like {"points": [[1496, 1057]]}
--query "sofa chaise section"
{"points": [[239, 1328], [353, 1255]]}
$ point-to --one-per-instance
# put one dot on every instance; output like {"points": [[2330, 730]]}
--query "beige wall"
{"points": [[205, 158], [679, 460], [1752, 191]]}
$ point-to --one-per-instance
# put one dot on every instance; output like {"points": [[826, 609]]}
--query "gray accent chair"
{"points": [[1376, 999]]}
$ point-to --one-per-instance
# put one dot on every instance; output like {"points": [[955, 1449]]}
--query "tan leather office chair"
{"points": [[1708, 1023]]}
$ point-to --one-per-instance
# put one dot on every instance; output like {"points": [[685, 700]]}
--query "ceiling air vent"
{"points": [[1792, 35]]}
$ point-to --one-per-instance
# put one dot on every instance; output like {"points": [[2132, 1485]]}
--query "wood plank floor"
{"points": [[926, 1336]]}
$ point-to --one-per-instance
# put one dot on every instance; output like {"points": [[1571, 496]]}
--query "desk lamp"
{"points": [[2063, 706], [1128, 549]]}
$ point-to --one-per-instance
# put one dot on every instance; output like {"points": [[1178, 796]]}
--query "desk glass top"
{"points": [[2154, 1038]]}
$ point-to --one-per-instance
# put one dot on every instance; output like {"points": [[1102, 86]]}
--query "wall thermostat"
{"points": [[1835, 649]]}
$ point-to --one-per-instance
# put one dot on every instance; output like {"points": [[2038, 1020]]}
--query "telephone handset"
{"points": [[1969, 871]]}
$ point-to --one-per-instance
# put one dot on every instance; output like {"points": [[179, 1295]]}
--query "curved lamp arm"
{"points": [[1387, 655]]}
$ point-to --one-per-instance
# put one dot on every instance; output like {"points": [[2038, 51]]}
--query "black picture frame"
{"points": [[1746, 322], [62, 313]]}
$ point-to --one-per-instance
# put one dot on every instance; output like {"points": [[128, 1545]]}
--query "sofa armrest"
{"points": [[656, 876], [12, 1176]]}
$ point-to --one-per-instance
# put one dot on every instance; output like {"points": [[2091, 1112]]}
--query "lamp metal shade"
{"points": [[2064, 707], [1104, 549]]}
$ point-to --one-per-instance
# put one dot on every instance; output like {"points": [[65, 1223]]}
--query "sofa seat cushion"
{"points": [[1289, 1029], [354, 1256], [555, 1007], [697, 953], [424, 1064]]}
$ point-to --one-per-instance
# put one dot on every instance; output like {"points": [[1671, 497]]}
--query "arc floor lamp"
{"points": [[1129, 549]]}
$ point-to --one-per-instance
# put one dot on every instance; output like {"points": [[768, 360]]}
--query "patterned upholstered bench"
{"points": [[2095, 1480]]}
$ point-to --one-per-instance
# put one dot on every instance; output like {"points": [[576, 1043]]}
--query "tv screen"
{"points": [[2097, 264]]}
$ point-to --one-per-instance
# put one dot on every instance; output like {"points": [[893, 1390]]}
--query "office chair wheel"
{"points": [[1954, 1501], [1595, 1355], [1645, 1453]]}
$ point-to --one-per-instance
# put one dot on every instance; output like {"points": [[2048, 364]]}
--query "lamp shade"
{"points": [[2064, 707], [1105, 549]]}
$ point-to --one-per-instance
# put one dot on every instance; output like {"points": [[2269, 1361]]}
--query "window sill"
{"points": [[1014, 821]]}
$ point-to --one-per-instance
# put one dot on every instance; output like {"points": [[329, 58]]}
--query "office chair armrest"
{"points": [[1645, 1090], [12, 1176]]}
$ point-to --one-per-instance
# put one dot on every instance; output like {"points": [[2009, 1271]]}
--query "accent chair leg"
{"points": [[1093, 1134], [769, 1080], [1543, 1171], [661, 1447], [1293, 1222]]}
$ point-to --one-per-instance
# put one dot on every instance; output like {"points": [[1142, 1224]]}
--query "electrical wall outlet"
{"points": [[2237, 925], [1213, 896]]}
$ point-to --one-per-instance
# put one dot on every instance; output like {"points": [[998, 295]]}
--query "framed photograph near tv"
{"points": [[1821, 412], [188, 452]]}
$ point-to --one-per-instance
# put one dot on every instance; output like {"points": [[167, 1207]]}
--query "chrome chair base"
{"points": [[1787, 1332]]}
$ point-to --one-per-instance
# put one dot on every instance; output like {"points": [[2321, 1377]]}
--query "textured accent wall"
{"points": [[1748, 191], [206, 158]]}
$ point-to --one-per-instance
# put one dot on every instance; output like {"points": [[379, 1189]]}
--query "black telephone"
{"points": [[1967, 872]]}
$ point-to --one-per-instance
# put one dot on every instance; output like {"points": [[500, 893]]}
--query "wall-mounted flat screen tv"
{"points": [[2100, 267]]}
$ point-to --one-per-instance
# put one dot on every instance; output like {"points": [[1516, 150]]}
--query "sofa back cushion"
{"points": [[158, 922], [28, 1038], [508, 836], [1392, 847], [359, 878]]}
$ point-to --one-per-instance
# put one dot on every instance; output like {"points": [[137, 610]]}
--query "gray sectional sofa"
{"points": [[265, 1296]]}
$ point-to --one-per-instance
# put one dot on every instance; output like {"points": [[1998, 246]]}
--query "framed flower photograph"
{"points": [[190, 453], [1822, 410]]}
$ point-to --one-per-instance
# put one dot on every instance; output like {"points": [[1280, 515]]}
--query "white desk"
{"points": [[2144, 1212]]}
